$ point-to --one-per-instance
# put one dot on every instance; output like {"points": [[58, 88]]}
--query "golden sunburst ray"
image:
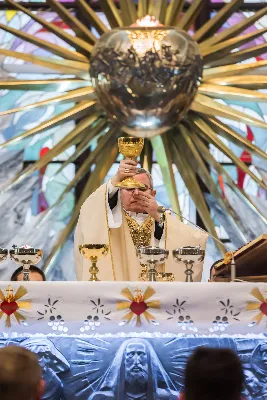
{"points": [[254, 82], [112, 13], [232, 82], [212, 26], [231, 93], [229, 70], [92, 17], [128, 12], [53, 85], [63, 66], [239, 56], [77, 43], [74, 23], [228, 133], [162, 151], [158, 10], [72, 96], [221, 49], [190, 16], [207, 106], [51, 47], [146, 157], [142, 8], [77, 111], [235, 30], [173, 11]]}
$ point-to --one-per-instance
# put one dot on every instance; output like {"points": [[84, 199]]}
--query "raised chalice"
{"points": [[189, 255], [152, 256], [93, 252], [26, 256], [3, 254], [131, 148]]}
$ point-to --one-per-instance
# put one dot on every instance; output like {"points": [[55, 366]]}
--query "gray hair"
{"points": [[147, 173]]}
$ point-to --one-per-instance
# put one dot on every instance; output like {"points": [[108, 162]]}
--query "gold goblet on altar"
{"points": [[131, 148], [93, 252]]}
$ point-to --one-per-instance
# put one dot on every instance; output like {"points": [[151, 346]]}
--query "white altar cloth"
{"points": [[122, 308]]}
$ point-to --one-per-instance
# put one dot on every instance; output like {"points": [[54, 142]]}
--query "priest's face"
{"points": [[128, 196]]}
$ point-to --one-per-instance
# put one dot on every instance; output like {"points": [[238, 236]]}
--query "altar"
{"points": [[81, 331]]}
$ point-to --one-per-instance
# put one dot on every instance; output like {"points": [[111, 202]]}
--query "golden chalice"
{"points": [[93, 252], [131, 148]]}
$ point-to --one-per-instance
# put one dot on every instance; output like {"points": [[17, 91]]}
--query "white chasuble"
{"points": [[121, 263]]}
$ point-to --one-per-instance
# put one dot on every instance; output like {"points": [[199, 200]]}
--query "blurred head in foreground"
{"points": [[20, 374], [213, 374], [36, 274]]}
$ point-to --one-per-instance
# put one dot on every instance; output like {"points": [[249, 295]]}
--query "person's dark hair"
{"points": [[33, 268], [213, 374], [20, 374]]}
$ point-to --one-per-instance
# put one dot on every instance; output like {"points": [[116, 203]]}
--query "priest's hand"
{"points": [[148, 203], [127, 168]]}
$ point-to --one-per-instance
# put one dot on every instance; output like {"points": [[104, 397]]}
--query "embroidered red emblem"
{"points": [[138, 308]]}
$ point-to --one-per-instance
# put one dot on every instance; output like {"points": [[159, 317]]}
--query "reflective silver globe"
{"points": [[146, 77]]}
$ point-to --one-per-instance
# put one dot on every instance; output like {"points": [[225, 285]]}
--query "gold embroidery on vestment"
{"points": [[140, 234]]}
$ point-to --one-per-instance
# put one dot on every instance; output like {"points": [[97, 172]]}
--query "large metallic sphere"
{"points": [[146, 78]]}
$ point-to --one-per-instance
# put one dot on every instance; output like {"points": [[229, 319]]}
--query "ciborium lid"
{"points": [[194, 253], [152, 254], [26, 254]]}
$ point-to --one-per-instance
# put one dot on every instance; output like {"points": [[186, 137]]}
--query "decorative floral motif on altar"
{"points": [[97, 313], [10, 304], [183, 318], [224, 318], [54, 320], [260, 306], [137, 306]]}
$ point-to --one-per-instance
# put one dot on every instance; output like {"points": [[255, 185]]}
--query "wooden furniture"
{"points": [[251, 263]]}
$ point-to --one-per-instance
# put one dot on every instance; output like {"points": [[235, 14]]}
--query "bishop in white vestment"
{"points": [[128, 218]]}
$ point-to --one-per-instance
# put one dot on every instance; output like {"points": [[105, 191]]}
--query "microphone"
{"points": [[162, 210]]}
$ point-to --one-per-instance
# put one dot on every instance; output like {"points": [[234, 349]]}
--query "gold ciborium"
{"points": [[131, 148], [93, 252]]}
